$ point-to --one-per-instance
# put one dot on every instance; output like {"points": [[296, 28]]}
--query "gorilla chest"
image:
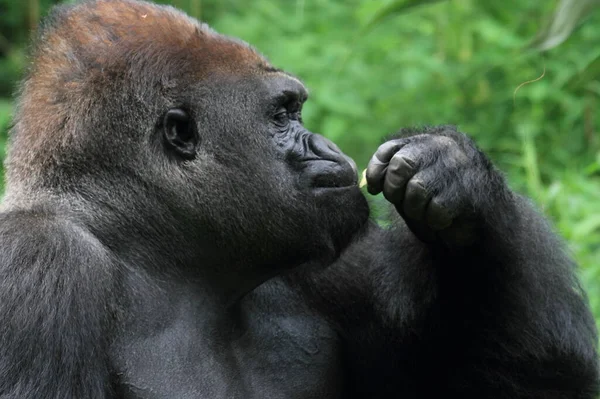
{"points": [[259, 352]]}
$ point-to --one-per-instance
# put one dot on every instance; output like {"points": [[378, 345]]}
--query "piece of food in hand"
{"points": [[363, 180]]}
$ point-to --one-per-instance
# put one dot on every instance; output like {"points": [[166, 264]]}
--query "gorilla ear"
{"points": [[180, 133]]}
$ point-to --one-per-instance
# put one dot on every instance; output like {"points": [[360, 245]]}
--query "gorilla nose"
{"points": [[326, 150]]}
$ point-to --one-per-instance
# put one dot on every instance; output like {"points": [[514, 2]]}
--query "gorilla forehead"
{"points": [[114, 35], [89, 53], [99, 49]]}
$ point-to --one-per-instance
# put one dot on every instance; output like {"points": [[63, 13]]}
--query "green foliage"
{"points": [[5, 117], [17, 19], [395, 8], [567, 17], [376, 65]]}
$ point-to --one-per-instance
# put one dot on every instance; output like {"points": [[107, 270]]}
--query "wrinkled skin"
{"points": [[172, 230]]}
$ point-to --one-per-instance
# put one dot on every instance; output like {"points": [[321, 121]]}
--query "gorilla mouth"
{"points": [[324, 165], [331, 174]]}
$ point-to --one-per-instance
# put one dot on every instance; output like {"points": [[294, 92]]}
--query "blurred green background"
{"points": [[521, 77]]}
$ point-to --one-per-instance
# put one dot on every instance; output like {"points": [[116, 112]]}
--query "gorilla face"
{"points": [[317, 162], [284, 195], [167, 129]]}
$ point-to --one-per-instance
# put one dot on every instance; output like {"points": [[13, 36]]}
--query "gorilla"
{"points": [[171, 230]]}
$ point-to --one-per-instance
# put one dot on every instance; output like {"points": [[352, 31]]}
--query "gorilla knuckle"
{"points": [[418, 186]]}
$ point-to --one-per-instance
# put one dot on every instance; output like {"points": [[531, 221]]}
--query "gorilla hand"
{"points": [[434, 178]]}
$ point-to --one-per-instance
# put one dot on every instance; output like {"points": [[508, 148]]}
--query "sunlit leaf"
{"points": [[566, 18]]}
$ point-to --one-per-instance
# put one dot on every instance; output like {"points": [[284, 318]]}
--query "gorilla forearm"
{"points": [[479, 322], [541, 328], [487, 291]]}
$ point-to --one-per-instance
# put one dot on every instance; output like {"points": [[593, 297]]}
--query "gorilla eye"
{"points": [[282, 117], [180, 133]]}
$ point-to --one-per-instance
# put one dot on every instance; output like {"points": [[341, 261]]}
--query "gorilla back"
{"points": [[170, 229]]}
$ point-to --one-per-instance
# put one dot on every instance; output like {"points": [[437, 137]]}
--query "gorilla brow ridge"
{"points": [[88, 50]]}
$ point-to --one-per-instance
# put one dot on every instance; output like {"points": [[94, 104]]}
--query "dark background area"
{"points": [[521, 77]]}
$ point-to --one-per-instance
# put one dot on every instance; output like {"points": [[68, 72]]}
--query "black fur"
{"points": [[171, 230]]}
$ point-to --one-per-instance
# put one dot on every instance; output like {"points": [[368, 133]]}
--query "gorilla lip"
{"points": [[336, 176]]}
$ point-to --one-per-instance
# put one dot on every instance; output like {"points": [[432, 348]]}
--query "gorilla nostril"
{"points": [[333, 147], [324, 148], [339, 170]]}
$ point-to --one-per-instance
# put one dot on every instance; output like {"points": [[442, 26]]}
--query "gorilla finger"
{"points": [[416, 199], [399, 172], [374, 174], [437, 216], [387, 150], [378, 164]]}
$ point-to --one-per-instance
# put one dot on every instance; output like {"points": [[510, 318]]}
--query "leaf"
{"points": [[566, 18], [590, 73], [5, 114], [587, 227], [394, 8]]}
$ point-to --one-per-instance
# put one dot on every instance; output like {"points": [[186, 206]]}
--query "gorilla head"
{"points": [[169, 140]]}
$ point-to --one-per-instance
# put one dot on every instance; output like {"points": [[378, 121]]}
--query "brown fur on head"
{"points": [[89, 54]]}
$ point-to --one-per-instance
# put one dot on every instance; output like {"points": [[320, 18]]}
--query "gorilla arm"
{"points": [[470, 293], [54, 306]]}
